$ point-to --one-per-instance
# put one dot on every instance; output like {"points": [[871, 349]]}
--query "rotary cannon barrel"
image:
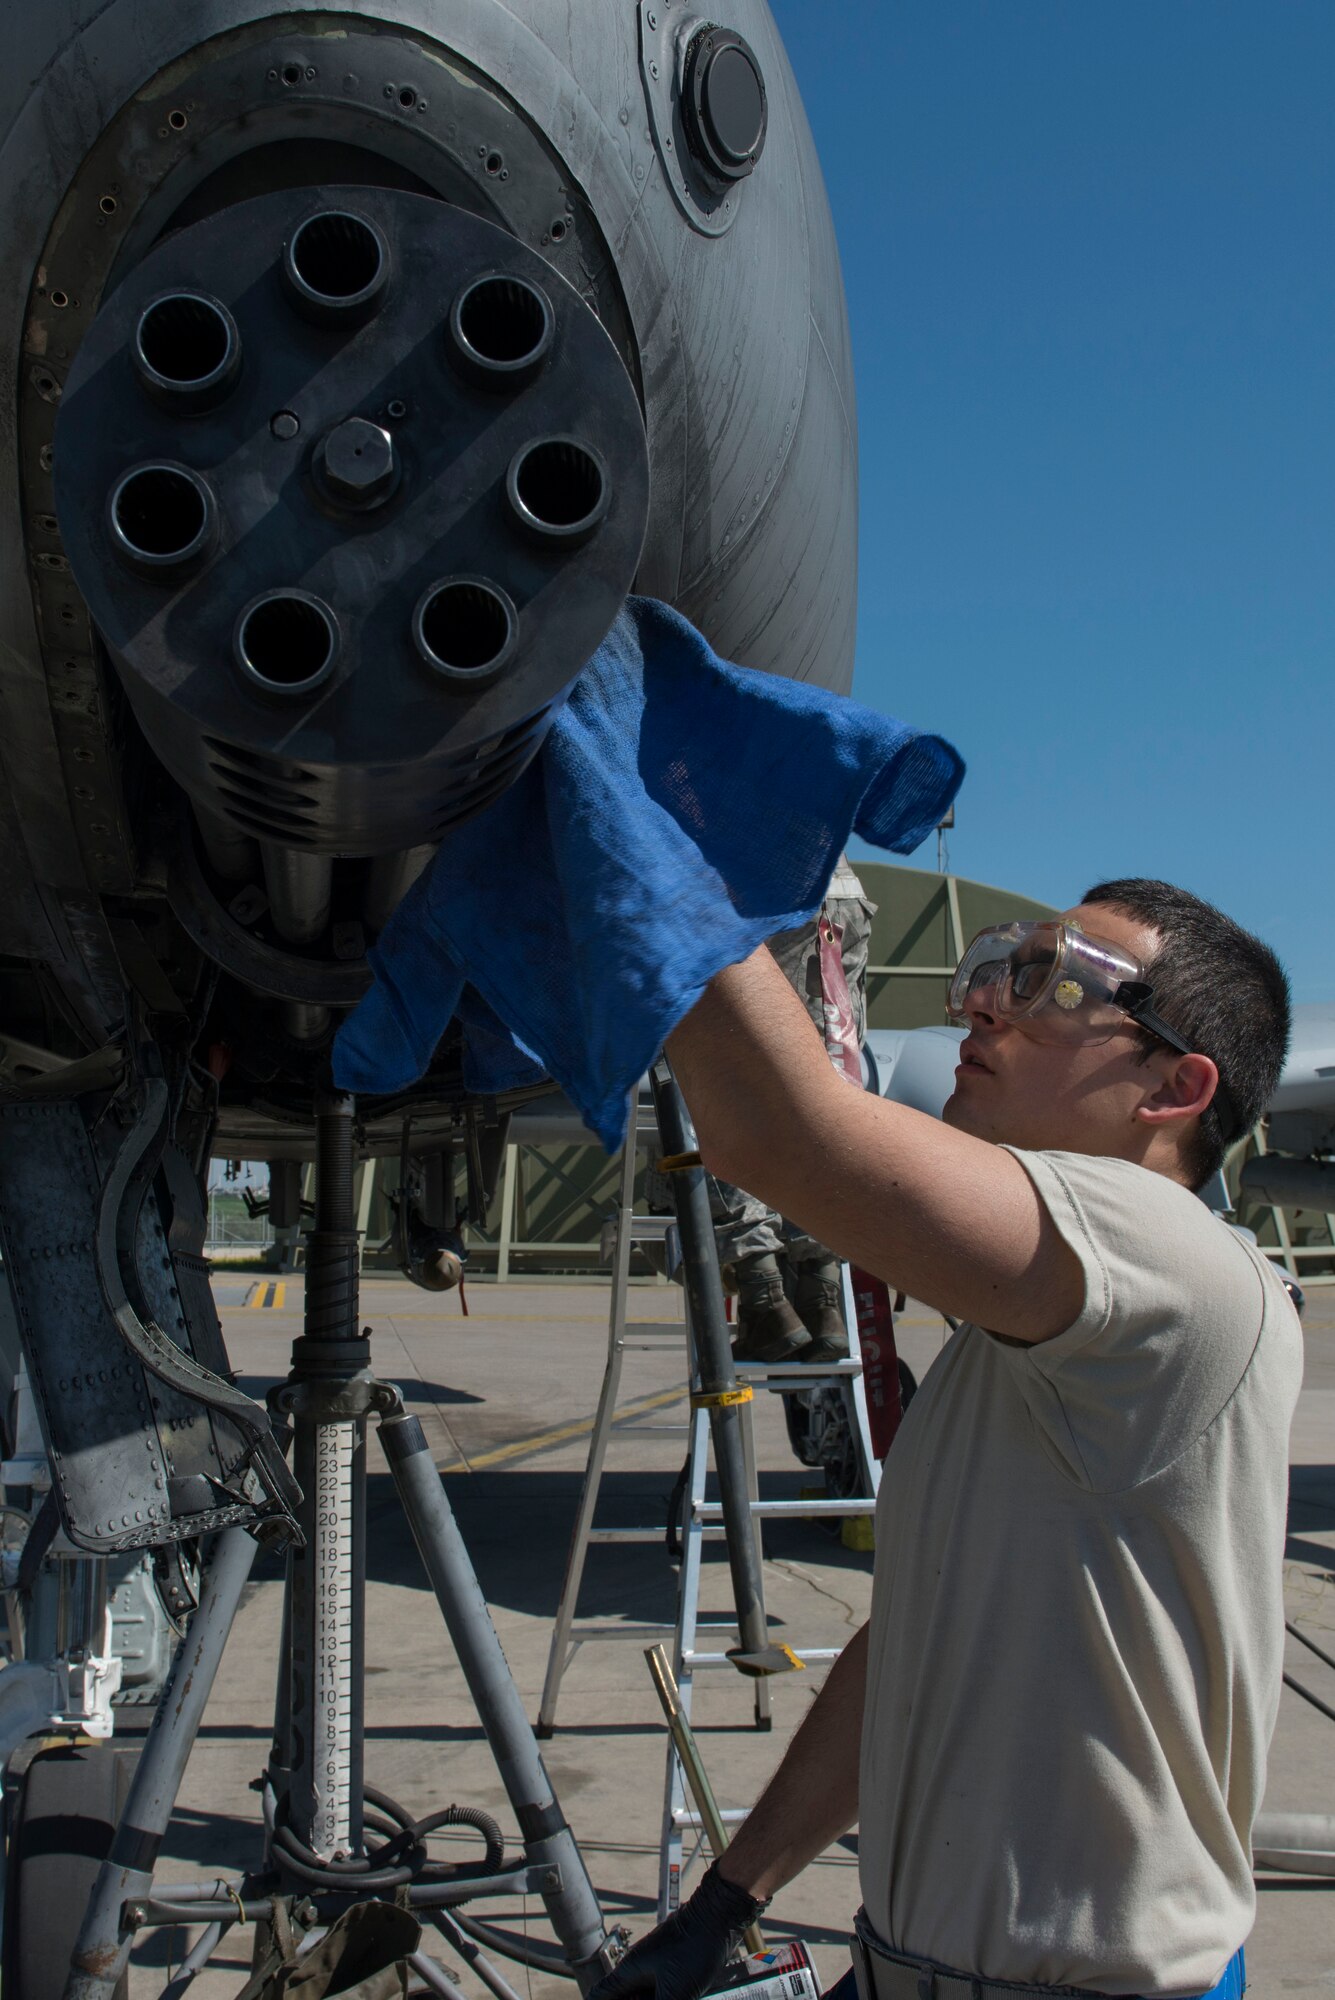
{"points": [[354, 483]]}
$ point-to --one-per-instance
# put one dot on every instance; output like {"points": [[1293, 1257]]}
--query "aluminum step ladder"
{"points": [[701, 1515], [628, 1230], [710, 1364]]}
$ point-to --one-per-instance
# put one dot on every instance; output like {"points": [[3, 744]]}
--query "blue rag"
{"points": [[680, 811]]}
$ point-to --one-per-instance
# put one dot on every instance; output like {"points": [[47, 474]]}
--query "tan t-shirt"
{"points": [[1077, 1616]]}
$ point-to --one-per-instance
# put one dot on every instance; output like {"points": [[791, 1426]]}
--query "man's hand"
{"points": [[685, 1957], [811, 1799]]}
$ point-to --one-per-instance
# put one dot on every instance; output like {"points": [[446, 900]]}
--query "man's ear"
{"points": [[1185, 1090]]}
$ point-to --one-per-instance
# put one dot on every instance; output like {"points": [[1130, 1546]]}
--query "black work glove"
{"points": [[687, 1955]]}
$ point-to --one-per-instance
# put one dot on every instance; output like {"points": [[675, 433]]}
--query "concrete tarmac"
{"points": [[507, 1396]]}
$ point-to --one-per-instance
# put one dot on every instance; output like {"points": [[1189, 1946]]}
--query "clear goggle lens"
{"points": [[1051, 979]]}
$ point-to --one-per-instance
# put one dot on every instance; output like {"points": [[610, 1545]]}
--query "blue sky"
{"points": [[1089, 252]]}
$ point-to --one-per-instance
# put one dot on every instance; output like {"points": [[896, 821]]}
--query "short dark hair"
{"points": [[1224, 991]]}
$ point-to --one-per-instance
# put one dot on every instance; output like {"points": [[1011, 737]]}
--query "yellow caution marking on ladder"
{"points": [[279, 1294], [720, 1399], [775, 1659], [677, 1163], [258, 1297]]}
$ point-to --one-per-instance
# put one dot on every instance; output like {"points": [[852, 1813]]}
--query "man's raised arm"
{"points": [[952, 1219]]}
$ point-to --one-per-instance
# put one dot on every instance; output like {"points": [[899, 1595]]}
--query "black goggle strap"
{"points": [[1135, 996]]}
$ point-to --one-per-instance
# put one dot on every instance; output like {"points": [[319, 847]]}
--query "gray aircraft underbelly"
{"points": [[209, 842]]}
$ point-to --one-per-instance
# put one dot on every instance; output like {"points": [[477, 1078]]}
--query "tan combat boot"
{"points": [[819, 1306], [768, 1328]]}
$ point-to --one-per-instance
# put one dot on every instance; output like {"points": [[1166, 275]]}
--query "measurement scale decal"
{"points": [[331, 1575]]}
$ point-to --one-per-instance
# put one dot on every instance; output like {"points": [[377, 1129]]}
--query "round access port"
{"points": [[162, 517], [724, 105], [501, 329], [466, 629], [336, 267], [187, 351], [286, 642], [558, 489]]}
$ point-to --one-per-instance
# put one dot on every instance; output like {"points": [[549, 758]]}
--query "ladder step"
{"points": [[711, 1534], [768, 1510], [797, 1374], [634, 1630], [627, 1534], [730, 1815], [812, 1656]]}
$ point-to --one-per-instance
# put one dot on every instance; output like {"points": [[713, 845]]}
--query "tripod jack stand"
{"points": [[323, 1852]]}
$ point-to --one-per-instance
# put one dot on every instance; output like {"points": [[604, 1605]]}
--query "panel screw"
{"points": [[284, 424]]}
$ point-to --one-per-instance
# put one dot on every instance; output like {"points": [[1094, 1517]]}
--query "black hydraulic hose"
{"points": [[391, 1864], [399, 1854], [539, 1958], [493, 1859]]}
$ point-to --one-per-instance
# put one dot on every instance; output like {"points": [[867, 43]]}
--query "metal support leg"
{"points": [[314, 1793], [558, 1657], [571, 1902], [673, 1861], [324, 1801], [103, 1949], [764, 1716], [704, 1292]]}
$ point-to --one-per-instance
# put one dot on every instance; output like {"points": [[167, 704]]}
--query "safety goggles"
{"points": [[1058, 984]]}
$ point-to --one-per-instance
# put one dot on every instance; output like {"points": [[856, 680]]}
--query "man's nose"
{"points": [[980, 1006]]}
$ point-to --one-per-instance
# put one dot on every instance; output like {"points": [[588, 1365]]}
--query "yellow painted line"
{"points": [[522, 1447], [268, 1293]]}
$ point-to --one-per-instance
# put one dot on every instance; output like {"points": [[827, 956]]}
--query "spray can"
{"points": [[780, 1972]]}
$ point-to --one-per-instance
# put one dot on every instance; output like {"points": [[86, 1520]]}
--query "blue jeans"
{"points": [[1231, 1985]]}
